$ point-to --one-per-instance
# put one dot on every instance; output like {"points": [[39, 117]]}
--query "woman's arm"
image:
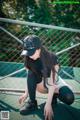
{"points": [[24, 96], [48, 112], [52, 86]]}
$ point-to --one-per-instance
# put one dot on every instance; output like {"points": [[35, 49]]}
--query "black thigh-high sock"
{"points": [[66, 95], [32, 81]]}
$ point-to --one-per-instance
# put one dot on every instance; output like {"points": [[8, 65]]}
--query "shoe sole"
{"points": [[27, 112]]}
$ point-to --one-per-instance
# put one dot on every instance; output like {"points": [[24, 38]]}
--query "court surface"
{"points": [[9, 101]]}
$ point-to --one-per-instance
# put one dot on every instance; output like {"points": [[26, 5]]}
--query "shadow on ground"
{"points": [[61, 112]]}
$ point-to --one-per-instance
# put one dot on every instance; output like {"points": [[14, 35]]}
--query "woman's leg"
{"points": [[66, 95], [31, 105], [32, 81]]}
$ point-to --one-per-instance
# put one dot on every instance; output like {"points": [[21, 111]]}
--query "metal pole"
{"points": [[37, 25], [18, 40], [13, 73], [65, 50]]}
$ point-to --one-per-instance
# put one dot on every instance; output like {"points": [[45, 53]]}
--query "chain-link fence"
{"points": [[65, 42]]}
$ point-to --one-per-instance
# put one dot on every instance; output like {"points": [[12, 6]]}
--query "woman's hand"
{"points": [[22, 98], [48, 112]]}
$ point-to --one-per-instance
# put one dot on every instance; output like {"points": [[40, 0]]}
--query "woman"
{"points": [[43, 67]]}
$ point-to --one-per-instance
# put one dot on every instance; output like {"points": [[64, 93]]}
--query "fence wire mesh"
{"points": [[53, 39]]}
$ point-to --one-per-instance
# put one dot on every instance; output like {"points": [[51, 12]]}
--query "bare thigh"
{"points": [[40, 87]]}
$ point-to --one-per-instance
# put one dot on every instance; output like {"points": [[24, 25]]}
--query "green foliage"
{"points": [[42, 11]]}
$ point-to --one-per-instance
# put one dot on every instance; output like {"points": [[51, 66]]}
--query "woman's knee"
{"points": [[30, 74], [66, 95], [69, 98]]}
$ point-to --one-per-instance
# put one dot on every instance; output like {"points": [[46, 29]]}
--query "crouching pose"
{"points": [[42, 76]]}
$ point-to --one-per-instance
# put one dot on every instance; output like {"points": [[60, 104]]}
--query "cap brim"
{"points": [[24, 53], [28, 53]]}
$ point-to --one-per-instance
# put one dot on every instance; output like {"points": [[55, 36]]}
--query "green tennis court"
{"points": [[9, 101]]}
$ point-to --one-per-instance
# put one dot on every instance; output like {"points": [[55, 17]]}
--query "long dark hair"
{"points": [[49, 62]]}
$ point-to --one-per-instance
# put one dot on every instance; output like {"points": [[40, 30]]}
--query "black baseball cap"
{"points": [[30, 44]]}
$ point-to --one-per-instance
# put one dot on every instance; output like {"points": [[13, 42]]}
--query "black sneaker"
{"points": [[28, 107]]}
